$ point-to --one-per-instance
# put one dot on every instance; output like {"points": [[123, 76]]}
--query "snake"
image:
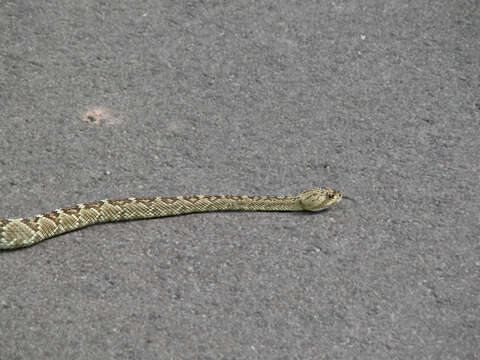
{"points": [[22, 232]]}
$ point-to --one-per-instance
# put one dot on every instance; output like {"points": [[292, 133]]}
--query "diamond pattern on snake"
{"points": [[22, 232]]}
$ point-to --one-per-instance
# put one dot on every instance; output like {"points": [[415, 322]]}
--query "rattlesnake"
{"points": [[17, 233]]}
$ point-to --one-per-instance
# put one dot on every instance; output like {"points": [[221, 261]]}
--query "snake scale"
{"points": [[22, 232]]}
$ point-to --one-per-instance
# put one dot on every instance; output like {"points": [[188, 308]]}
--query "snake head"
{"points": [[319, 199]]}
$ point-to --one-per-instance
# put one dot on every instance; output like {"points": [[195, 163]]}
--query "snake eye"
{"points": [[330, 196]]}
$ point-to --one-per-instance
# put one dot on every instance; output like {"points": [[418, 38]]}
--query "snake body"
{"points": [[22, 232]]}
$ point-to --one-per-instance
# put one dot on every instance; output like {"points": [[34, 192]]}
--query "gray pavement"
{"points": [[380, 100]]}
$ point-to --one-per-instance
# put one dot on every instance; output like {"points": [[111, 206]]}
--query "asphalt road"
{"points": [[380, 100]]}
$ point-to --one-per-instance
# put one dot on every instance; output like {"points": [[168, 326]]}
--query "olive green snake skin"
{"points": [[22, 232]]}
